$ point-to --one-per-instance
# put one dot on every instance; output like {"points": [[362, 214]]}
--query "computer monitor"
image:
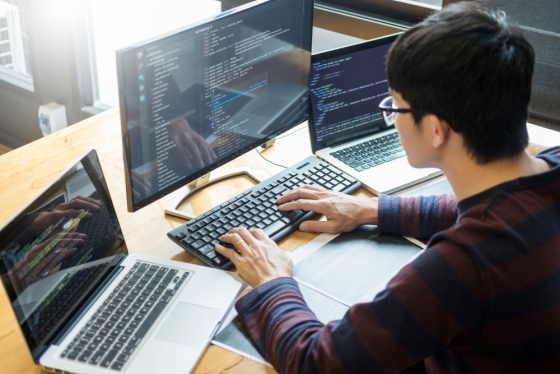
{"points": [[194, 99]]}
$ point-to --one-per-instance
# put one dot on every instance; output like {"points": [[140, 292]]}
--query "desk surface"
{"points": [[25, 171]]}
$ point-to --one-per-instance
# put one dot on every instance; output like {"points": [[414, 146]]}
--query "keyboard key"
{"points": [[96, 358], [274, 228], [85, 356], [117, 365], [72, 355], [128, 350], [149, 320], [122, 358]]}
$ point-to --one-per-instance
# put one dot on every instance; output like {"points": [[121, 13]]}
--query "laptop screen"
{"points": [[56, 251], [346, 87]]}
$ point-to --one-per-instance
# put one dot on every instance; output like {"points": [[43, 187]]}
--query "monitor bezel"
{"points": [[333, 53], [131, 205]]}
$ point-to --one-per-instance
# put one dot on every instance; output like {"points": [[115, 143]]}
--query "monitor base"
{"points": [[197, 185]]}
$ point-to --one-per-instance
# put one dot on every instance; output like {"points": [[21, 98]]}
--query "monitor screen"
{"points": [[194, 99], [346, 88], [58, 249]]}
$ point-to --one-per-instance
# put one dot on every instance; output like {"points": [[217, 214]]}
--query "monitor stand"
{"points": [[197, 185]]}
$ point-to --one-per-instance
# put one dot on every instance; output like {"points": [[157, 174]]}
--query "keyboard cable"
{"points": [[266, 159]]}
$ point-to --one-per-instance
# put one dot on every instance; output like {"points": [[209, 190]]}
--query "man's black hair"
{"points": [[473, 68]]}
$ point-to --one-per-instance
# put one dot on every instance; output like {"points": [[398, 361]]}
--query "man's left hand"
{"points": [[257, 257]]}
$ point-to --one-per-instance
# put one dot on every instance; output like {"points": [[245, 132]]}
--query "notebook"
{"points": [[85, 305], [346, 126]]}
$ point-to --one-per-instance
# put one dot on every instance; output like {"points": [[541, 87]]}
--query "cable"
{"points": [[232, 366], [266, 159], [290, 133]]}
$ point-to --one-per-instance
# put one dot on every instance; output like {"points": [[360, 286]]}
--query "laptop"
{"points": [[85, 305], [346, 127]]}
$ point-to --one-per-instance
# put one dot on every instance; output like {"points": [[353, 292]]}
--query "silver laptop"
{"points": [[346, 127], [85, 305]]}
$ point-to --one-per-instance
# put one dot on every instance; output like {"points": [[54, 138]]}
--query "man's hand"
{"points": [[141, 186], [256, 257], [42, 258], [343, 212], [192, 150], [64, 212]]}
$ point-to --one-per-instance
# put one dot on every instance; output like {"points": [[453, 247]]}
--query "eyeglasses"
{"points": [[389, 108]]}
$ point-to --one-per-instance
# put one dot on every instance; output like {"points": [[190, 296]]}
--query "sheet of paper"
{"points": [[351, 265]]}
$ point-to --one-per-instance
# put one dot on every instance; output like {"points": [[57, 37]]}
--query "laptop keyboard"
{"points": [[115, 331], [257, 208], [55, 307], [374, 152]]}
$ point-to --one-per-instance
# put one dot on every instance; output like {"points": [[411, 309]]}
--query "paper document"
{"points": [[353, 264]]}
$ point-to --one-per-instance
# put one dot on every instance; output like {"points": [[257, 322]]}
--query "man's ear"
{"points": [[438, 129]]}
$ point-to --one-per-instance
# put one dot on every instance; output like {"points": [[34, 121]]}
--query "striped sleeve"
{"points": [[419, 217], [431, 303]]}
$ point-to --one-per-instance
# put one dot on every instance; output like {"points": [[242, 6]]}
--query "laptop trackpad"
{"points": [[189, 325]]}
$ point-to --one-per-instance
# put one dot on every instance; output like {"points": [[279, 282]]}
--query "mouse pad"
{"points": [[189, 325]]}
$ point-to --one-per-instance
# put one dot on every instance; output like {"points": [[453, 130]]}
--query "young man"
{"points": [[485, 294]]}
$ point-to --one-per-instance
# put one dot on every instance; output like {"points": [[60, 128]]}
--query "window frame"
{"points": [[399, 11]]}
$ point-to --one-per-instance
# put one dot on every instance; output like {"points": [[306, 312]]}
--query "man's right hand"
{"points": [[344, 213], [65, 212]]}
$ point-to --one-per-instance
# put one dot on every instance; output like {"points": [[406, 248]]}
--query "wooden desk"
{"points": [[25, 171]]}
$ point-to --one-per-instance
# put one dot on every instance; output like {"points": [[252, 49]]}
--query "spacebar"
{"points": [[274, 228], [149, 321], [394, 156]]}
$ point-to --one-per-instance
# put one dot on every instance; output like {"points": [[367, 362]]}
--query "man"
{"points": [[485, 294]]}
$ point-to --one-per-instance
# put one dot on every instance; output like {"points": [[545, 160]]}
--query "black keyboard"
{"points": [[115, 331], [374, 152], [257, 208]]}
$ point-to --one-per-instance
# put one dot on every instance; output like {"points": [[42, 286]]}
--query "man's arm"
{"points": [[433, 303], [419, 217]]}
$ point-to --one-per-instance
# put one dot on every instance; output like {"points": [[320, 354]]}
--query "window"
{"points": [[118, 24], [14, 52], [429, 2], [400, 11]]}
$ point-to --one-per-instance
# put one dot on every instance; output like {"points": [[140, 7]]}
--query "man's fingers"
{"points": [[184, 157], [77, 204], [318, 226], [68, 253], [237, 241], [228, 252], [304, 192], [204, 149], [192, 148], [259, 234], [71, 235], [311, 205], [88, 199], [139, 182], [74, 213], [245, 235]]}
